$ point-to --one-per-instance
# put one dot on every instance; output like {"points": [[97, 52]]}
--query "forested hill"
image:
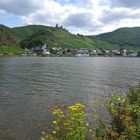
{"points": [[123, 36], [34, 35]]}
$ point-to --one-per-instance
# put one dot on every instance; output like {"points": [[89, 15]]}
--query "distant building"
{"points": [[121, 51], [82, 55], [56, 26], [40, 50], [124, 52], [138, 53]]}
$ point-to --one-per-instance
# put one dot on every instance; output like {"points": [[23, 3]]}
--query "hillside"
{"points": [[123, 36], [9, 41], [35, 35], [56, 37], [101, 43], [18, 33], [26, 31], [7, 36], [59, 37]]}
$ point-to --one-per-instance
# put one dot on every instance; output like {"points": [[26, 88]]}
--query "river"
{"points": [[30, 85]]}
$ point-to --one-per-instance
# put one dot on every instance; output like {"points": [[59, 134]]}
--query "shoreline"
{"points": [[67, 56]]}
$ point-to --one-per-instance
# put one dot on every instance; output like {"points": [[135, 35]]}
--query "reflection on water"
{"points": [[28, 86]]}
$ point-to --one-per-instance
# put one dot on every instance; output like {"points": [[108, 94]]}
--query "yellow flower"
{"points": [[90, 130], [87, 124], [42, 138], [57, 128], [43, 133], [54, 122], [54, 132]]}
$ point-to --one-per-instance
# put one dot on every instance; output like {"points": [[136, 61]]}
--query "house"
{"points": [[124, 52], [116, 52], [82, 55], [93, 52], [82, 52], [41, 50]]}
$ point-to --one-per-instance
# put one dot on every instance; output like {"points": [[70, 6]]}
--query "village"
{"points": [[79, 52]]}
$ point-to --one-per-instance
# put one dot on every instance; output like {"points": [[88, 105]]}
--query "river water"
{"points": [[30, 85]]}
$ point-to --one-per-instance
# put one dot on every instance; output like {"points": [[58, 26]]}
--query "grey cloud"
{"points": [[81, 20], [46, 18], [78, 20], [125, 3], [110, 16], [19, 7]]}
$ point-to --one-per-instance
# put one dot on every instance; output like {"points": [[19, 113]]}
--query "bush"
{"points": [[70, 125], [125, 121], [125, 113]]}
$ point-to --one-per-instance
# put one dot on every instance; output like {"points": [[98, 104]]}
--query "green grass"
{"points": [[10, 50]]}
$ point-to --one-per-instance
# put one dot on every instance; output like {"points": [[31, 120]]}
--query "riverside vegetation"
{"points": [[10, 50], [72, 123]]}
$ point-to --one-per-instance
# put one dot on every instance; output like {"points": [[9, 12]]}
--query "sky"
{"points": [[88, 17]]}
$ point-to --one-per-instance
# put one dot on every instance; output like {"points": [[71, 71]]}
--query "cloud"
{"points": [[80, 20], [83, 16], [77, 20], [125, 3], [118, 14], [21, 7]]}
